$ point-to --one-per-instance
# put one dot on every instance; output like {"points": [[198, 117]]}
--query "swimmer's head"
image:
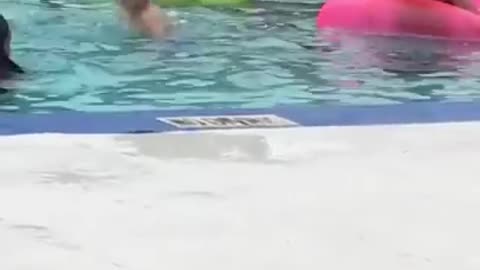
{"points": [[134, 7], [6, 64]]}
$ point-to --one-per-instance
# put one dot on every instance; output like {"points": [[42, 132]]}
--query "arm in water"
{"points": [[146, 17]]}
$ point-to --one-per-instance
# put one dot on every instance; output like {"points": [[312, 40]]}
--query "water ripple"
{"points": [[79, 57]]}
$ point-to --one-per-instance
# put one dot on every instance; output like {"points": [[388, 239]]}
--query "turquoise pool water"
{"points": [[80, 57]]}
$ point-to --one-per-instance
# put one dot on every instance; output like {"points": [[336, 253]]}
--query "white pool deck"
{"points": [[366, 198]]}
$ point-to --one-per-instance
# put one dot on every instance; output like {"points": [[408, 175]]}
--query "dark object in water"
{"points": [[7, 66]]}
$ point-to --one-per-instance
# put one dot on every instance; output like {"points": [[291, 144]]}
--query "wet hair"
{"points": [[6, 64], [134, 7]]}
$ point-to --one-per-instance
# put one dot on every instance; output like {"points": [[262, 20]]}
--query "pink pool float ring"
{"points": [[401, 17]]}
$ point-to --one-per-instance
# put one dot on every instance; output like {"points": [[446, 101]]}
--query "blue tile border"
{"points": [[146, 121]]}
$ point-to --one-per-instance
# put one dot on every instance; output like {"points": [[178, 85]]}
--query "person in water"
{"points": [[146, 17], [7, 66]]}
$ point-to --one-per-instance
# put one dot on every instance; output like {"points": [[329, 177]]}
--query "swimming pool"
{"points": [[80, 58], [256, 199]]}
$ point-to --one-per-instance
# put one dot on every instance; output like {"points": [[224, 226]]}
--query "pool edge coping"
{"points": [[156, 121]]}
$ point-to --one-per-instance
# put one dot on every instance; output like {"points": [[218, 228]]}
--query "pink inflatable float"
{"points": [[401, 17]]}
